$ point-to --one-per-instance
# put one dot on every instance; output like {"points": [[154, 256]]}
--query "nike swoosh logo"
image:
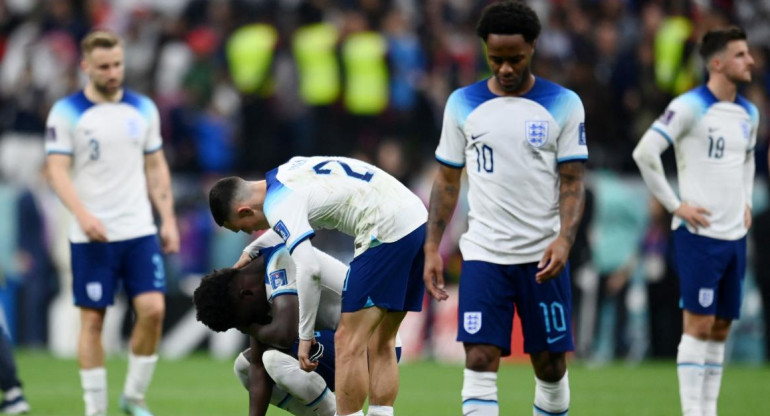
{"points": [[552, 340], [713, 129], [478, 135]]}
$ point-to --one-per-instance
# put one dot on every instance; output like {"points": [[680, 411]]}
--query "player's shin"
{"points": [[552, 398], [310, 388], [480, 393], [241, 370], [690, 360], [715, 355]]}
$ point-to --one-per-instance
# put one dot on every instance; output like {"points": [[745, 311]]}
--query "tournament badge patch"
{"points": [[94, 291], [278, 278], [582, 134], [281, 229], [537, 132], [666, 117], [472, 322], [706, 297]]}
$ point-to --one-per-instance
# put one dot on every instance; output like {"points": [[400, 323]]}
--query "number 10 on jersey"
{"points": [[484, 158]]}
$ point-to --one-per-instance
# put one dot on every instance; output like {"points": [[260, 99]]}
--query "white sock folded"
{"points": [[94, 383], [140, 371], [690, 360], [712, 379], [480, 393]]}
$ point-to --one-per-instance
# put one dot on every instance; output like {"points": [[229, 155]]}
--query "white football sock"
{"points": [[358, 413], [551, 398], [140, 371], [310, 388], [690, 360], [712, 380], [375, 410], [94, 383], [480, 393]]}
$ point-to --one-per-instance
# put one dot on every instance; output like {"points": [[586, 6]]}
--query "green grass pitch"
{"points": [[200, 385]]}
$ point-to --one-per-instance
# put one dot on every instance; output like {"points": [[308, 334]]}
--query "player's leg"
{"points": [[485, 315], [280, 397], [12, 400], [546, 312], [352, 372], [93, 287], [309, 387], [701, 263], [728, 300], [383, 365], [144, 279]]}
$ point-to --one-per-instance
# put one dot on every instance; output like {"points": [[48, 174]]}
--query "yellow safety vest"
{"points": [[319, 73], [366, 73], [249, 55]]}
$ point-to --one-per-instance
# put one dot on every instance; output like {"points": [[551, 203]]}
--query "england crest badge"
{"points": [[94, 291], [706, 297], [536, 132], [472, 322]]}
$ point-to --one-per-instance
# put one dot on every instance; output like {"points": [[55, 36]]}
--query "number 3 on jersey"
{"points": [[319, 169]]}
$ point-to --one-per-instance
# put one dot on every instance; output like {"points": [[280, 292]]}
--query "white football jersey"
{"points": [[343, 194], [712, 140], [108, 142], [511, 148], [281, 277]]}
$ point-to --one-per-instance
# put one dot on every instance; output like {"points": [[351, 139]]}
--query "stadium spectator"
{"points": [[384, 282], [513, 253], [12, 401], [104, 157], [713, 130]]}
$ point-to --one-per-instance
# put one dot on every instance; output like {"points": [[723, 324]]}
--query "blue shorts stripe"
{"points": [[547, 413]]}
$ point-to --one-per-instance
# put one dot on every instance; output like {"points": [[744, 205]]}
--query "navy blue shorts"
{"points": [[326, 363], [98, 268], [711, 273], [388, 276], [488, 293]]}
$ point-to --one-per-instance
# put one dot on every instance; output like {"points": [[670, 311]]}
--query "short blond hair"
{"points": [[99, 39]]}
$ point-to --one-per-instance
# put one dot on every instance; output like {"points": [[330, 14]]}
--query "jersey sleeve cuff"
{"points": [[300, 239], [581, 158], [153, 149], [450, 164], [662, 133], [59, 152]]}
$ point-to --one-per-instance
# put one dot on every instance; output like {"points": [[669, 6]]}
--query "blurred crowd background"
{"points": [[243, 85]]}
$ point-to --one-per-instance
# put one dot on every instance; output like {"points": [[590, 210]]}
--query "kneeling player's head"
{"points": [[232, 203], [233, 298]]}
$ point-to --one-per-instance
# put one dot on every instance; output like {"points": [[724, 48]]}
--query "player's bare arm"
{"points": [[243, 260], [260, 383], [159, 188], [281, 331], [58, 172], [571, 202], [443, 199]]}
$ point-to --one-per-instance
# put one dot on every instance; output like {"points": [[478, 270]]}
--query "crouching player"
{"points": [[260, 299]]}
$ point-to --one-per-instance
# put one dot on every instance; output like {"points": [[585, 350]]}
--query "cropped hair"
{"points": [[212, 300], [716, 40], [222, 196], [99, 38], [509, 17]]}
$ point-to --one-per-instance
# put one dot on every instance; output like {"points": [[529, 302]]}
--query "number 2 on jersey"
{"points": [[319, 169]]}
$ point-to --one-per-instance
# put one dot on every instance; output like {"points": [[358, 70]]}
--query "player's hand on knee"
{"points": [[433, 275], [693, 215], [92, 227], [303, 355], [243, 260], [554, 259]]}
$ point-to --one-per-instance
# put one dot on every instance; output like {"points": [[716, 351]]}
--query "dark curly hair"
{"points": [[716, 40], [212, 300], [509, 18]]}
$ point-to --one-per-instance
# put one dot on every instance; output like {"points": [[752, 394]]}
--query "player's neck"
{"points": [[97, 97], [722, 88], [496, 89]]}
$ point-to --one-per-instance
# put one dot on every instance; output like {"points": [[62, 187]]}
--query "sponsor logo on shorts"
{"points": [[472, 322], [706, 297], [94, 291]]}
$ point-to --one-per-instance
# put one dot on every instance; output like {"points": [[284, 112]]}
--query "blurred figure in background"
{"points": [[713, 130], [105, 158], [12, 401]]}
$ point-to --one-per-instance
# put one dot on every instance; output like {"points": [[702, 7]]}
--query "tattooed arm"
{"points": [[443, 198], [571, 202], [159, 188]]}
